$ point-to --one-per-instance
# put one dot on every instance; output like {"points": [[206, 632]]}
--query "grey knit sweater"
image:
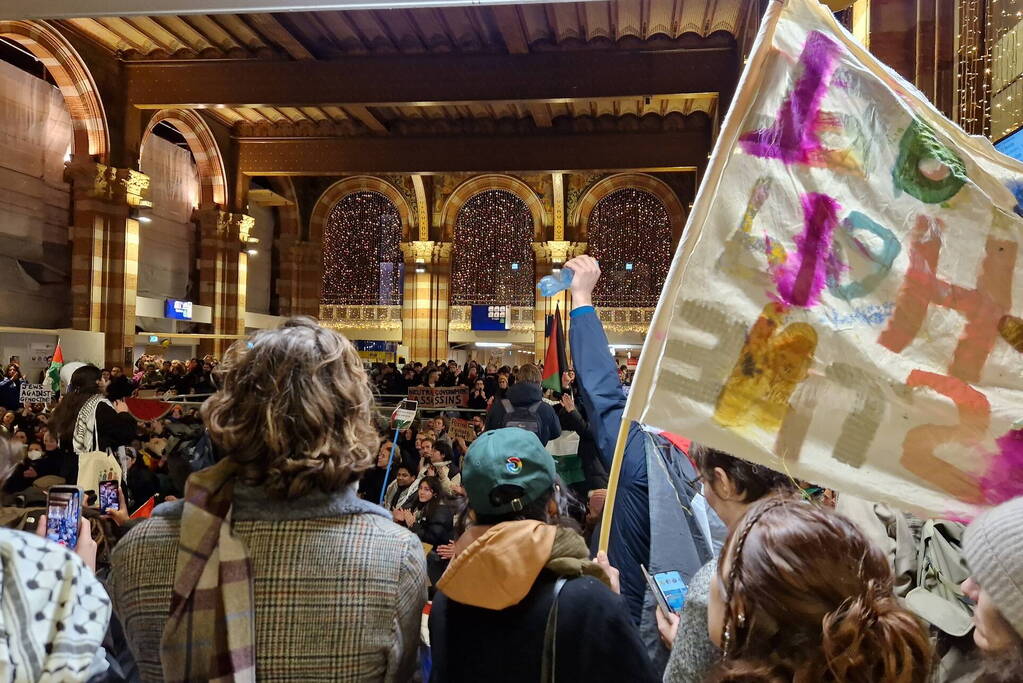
{"points": [[692, 654]]}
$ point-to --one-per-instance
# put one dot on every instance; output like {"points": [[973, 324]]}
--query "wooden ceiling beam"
{"points": [[476, 154], [272, 29], [509, 23], [368, 119], [424, 80]]}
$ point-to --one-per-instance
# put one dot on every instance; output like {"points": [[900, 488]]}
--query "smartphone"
{"points": [[669, 590], [109, 498], [63, 515]]}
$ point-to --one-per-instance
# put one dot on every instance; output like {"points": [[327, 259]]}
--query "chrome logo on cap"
{"points": [[513, 465]]}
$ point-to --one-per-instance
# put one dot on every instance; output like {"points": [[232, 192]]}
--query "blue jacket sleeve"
{"points": [[598, 377]]}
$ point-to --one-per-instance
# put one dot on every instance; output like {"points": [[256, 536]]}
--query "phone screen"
{"points": [[63, 513], [108, 496], [673, 588]]}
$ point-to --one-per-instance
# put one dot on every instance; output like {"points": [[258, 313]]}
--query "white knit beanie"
{"points": [[993, 546]]}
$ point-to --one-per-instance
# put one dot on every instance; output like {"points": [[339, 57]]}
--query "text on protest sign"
{"points": [[845, 304], [439, 397], [35, 393]]}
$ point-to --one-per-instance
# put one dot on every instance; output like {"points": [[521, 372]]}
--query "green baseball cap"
{"points": [[506, 456]]}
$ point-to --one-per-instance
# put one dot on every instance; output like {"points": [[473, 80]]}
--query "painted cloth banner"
{"points": [[845, 304], [439, 397]]}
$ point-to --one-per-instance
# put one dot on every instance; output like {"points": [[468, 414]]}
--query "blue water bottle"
{"points": [[552, 284]]}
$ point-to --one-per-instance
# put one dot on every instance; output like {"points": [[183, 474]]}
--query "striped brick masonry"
{"points": [[298, 288], [202, 144], [223, 266], [105, 252], [72, 77], [425, 311]]}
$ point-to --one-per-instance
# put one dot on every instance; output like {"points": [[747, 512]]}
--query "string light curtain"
{"points": [[630, 235], [492, 261], [362, 263], [974, 67]]}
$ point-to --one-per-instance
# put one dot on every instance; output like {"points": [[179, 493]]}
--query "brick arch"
{"points": [[362, 183], [202, 144], [492, 181], [88, 120], [580, 218]]}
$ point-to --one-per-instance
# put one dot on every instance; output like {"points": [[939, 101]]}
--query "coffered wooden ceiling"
{"points": [[507, 29], [475, 32], [475, 117]]}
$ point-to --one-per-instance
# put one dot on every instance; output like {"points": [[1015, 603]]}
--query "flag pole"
{"points": [[612, 485]]}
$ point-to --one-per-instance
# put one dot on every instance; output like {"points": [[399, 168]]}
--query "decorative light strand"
{"points": [[492, 256], [630, 235], [1003, 67], [362, 262]]}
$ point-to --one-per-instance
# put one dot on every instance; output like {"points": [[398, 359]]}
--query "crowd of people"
{"points": [[299, 541]]}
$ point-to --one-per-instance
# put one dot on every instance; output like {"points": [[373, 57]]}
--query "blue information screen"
{"points": [[1012, 145], [494, 318], [178, 310]]}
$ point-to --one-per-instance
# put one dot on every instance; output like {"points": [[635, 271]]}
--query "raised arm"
{"points": [[595, 369]]}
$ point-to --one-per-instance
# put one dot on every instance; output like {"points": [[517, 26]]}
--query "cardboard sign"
{"points": [[439, 397], [35, 393], [846, 304], [459, 428]]}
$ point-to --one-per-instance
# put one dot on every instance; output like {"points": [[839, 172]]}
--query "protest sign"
{"points": [[404, 415], [439, 397], [461, 429], [35, 393], [845, 305]]}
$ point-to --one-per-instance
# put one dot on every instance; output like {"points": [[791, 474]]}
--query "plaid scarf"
{"points": [[210, 634]]}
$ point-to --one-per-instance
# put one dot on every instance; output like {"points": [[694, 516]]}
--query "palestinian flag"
{"points": [[55, 365], [554, 362]]}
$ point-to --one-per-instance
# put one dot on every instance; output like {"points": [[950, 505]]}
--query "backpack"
{"points": [[522, 417], [941, 567]]}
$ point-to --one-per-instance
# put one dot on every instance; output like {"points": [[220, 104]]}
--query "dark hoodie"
{"points": [[524, 395], [489, 616]]}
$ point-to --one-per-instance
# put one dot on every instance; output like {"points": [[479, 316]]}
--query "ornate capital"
{"points": [[557, 251], [222, 224], [93, 180], [426, 251]]}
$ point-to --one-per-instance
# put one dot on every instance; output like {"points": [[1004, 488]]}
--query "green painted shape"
{"points": [[919, 143]]}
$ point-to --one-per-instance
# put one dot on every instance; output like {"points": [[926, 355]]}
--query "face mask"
{"points": [[35, 454]]}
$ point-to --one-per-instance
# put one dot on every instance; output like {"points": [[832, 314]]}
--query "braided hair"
{"points": [[809, 598]]}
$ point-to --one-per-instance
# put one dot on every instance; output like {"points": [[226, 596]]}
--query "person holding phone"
{"points": [[731, 485], [65, 607]]}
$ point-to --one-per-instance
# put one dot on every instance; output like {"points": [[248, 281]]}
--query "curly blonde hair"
{"points": [[294, 409]]}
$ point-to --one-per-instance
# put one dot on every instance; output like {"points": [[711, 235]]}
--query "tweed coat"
{"points": [[338, 587]]}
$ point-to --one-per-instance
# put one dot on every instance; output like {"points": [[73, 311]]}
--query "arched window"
{"points": [[630, 236], [362, 263], [493, 251]]}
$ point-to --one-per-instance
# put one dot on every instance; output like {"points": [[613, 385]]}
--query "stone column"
{"points": [[298, 287], [425, 310], [223, 268], [105, 252]]}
